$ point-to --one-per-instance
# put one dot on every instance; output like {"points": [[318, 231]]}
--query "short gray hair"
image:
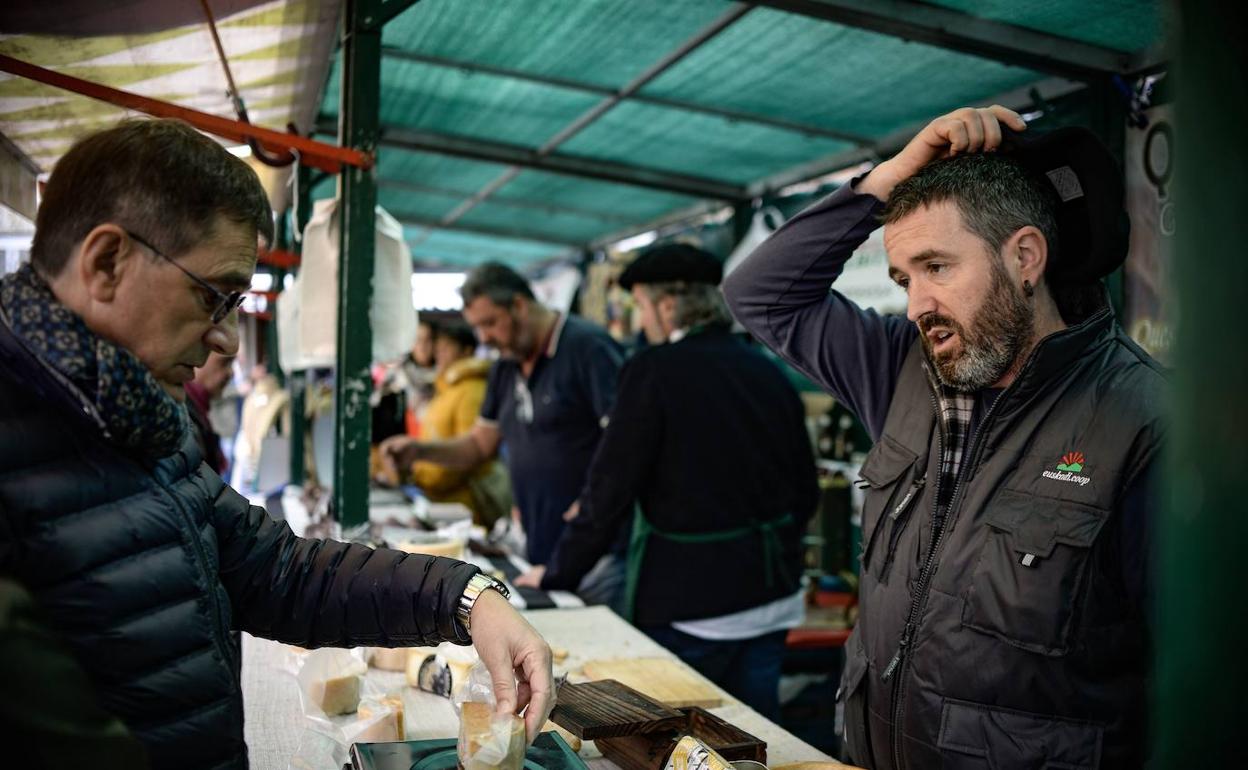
{"points": [[496, 282], [696, 303], [994, 194]]}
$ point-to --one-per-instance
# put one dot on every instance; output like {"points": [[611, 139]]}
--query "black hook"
{"points": [[280, 160]]}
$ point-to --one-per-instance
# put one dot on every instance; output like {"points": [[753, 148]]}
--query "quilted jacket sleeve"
{"points": [[322, 593]]}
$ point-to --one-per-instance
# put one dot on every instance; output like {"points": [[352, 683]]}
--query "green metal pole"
{"points": [[357, 127], [298, 383], [271, 345], [1202, 669]]}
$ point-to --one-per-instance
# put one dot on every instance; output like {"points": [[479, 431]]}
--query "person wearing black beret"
{"points": [[707, 454], [1004, 590]]}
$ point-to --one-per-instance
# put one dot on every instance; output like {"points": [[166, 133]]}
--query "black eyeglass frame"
{"points": [[226, 303]]}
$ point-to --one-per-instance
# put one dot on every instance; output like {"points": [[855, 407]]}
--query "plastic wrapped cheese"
{"points": [[386, 715], [338, 694], [443, 673], [331, 681], [489, 741]]}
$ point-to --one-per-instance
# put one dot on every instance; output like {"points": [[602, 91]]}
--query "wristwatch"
{"points": [[480, 582]]}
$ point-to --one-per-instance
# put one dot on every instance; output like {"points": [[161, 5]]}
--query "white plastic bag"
{"points": [[765, 222], [326, 740], [307, 312], [501, 745]]}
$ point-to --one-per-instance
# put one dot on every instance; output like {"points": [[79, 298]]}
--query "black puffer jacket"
{"points": [[145, 568]]}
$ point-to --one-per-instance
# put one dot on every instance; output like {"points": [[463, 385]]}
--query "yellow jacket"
{"points": [[458, 393]]}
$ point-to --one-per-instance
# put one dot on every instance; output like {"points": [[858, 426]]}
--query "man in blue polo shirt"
{"points": [[547, 400]]}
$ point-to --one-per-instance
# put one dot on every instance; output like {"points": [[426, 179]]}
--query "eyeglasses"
{"points": [[225, 303]]}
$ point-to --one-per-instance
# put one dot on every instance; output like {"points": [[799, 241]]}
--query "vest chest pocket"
{"points": [[1032, 571], [894, 483]]}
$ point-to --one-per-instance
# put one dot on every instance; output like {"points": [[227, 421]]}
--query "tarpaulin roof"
{"points": [[528, 129], [278, 51], [533, 128]]}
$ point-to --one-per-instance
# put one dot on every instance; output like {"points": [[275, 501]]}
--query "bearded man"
{"points": [[1003, 590]]}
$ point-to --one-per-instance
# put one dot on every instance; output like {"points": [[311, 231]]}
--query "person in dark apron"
{"points": [[707, 455]]}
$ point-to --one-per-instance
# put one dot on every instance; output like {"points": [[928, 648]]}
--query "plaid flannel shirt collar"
{"points": [[954, 412]]}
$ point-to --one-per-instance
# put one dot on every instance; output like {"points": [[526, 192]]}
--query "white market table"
{"points": [[275, 722]]}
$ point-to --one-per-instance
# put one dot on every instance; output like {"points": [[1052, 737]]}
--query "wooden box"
{"points": [[649, 751]]}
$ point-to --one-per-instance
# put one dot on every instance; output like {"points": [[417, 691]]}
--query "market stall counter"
{"points": [[588, 642]]}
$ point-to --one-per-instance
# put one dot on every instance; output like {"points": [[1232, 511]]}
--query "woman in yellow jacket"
{"points": [[458, 392]]}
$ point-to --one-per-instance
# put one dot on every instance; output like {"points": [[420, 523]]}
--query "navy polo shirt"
{"points": [[551, 422]]}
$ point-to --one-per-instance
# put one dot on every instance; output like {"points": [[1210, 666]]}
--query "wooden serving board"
{"points": [[668, 681], [608, 709]]}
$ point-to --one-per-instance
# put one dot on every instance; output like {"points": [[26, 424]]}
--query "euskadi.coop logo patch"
{"points": [[1069, 469]]}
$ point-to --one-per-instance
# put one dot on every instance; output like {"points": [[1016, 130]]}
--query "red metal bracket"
{"points": [[279, 258], [327, 157]]}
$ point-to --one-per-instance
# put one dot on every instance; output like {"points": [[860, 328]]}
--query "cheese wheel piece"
{"points": [[338, 695], [453, 549]]}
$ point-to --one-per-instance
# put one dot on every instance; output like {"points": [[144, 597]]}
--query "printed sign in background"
{"points": [[865, 278], [1149, 310]]}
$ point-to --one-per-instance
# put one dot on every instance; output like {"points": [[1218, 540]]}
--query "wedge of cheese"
{"points": [[389, 727], [487, 741], [337, 695]]}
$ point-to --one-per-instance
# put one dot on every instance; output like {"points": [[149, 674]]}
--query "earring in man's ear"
{"points": [[1028, 289]]}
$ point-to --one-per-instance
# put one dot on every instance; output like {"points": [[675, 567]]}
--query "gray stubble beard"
{"points": [[1000, 332]]}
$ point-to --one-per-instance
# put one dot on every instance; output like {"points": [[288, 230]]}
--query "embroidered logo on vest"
{"points": [[1071, 461], [1068, 469]]}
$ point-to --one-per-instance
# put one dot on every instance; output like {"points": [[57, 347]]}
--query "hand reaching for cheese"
{"points": [[532, 578], [517, 658]]}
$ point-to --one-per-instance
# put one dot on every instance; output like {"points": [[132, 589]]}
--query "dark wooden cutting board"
{"points": [[608, 709]]}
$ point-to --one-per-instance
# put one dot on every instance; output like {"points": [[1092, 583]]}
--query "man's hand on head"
{"points": [[965, 130]]}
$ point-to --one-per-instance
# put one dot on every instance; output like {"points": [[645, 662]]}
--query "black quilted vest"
{"points": [[1012, 644]]}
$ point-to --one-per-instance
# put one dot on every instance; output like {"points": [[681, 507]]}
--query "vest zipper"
{"points": [[896, 667], [900, 511]]}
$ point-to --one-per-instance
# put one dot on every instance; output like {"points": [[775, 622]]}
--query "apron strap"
{"points": [[773, 549]]}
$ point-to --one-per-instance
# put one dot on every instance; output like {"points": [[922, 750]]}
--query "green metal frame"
{"points": [[298, 381], [358, 128], [1200, 538]]}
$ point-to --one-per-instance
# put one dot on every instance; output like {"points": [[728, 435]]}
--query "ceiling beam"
{"points": [[806, 129], [389, 9], [1019, 100], [969, 34], [589, 117], [566, 165], [415, 220], [520, 203]]}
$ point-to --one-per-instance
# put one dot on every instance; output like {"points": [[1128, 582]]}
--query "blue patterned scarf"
{"points": [[137, 412]]}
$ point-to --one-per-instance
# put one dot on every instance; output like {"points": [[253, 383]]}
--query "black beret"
{"points": [[672, 262], [1093, 228]]}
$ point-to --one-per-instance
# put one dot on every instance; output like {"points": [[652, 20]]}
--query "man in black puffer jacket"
{"points": [[131, 549]]}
